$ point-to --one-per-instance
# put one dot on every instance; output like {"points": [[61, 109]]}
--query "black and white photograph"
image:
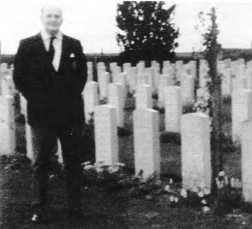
{"points": [[125, 114]]}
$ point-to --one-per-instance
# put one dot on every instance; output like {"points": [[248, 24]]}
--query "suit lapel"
{"points": [[40, 44]]}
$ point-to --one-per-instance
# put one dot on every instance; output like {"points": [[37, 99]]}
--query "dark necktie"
{"points": [[51, 49]]}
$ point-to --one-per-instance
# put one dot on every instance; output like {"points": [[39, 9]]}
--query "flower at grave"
{"points": [[221, 174], [195, 189], [167, 188], [183, 192], [87, 167], [86, 163], [105, 165], [120, 164], [200, 194], [113, 169], [206, 191], [203, 201], [205, 209], [34, 218], [99, 170], [172, 198]]}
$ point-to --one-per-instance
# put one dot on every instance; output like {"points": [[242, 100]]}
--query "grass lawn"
{"points": [[109, 211]]}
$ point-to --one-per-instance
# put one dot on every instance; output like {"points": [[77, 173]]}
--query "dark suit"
{"points": [[54, 108]]}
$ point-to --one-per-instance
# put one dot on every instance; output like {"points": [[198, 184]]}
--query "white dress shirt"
{"points": [[57, 44]]}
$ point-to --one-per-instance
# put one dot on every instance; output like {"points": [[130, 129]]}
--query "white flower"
{"points": [[200, 194], [87, 167], [34, 217], [170, 181], [203, 201], [99, 170], [172, 198], [183, 192], [195, 189], [86, 163], [176, 199], [206, 191], [120, 164], [221, 174], [167, 188], [113, 170], [72, 55], [205, 209]]}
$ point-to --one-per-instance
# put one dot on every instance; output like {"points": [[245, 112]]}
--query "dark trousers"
{"points": [[43, 140]]}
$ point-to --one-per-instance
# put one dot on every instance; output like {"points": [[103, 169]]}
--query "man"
{"points": [[50, 71]]}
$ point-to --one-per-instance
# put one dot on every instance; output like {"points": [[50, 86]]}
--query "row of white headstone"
{"points": [[134, 77], [194, 128], [195, 151]]}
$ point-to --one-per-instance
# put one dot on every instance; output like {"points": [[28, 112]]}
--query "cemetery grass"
{"points": [[109, 211]]}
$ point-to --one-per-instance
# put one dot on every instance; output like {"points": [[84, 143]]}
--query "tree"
{"points": [[147, 32], [212, 50]]}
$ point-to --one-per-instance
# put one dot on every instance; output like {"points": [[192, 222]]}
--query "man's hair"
{"points": [[50, 6]]}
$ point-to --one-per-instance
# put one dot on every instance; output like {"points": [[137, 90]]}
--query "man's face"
{"points": [[51, 19]]}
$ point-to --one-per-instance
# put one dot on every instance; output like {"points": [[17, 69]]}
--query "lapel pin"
{"points": [[72, 55]]}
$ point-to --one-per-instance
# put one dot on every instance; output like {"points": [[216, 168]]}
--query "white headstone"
{"points": [[122, 79], [249, 79], [226, 82], [187, 89], [140, 67], [132, 80], [146, 142], [90, 99], [116, 99], [7, 125], [141, 79], [116, 70], [106, 141], [126, 69], [103, 85], [195, 150], [162, 84], [7, 84], [23, 105], [241, 110], [149, 76], [90, 71], [246, 160], [144, 96], [173, 109]]}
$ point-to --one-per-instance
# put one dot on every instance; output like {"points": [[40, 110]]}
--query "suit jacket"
{"points": [[52, 97]]}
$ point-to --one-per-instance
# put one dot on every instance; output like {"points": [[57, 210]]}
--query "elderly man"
{"points": [[50, 71]]}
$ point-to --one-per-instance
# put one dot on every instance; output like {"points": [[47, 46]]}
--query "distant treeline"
{"points": [[107, 58]]}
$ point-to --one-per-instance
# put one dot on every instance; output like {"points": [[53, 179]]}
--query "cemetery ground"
{"points": [[107, 210]]}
